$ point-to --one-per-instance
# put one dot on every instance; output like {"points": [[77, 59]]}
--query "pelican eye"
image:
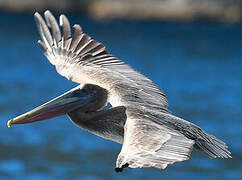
{"points": [[80, 92]]}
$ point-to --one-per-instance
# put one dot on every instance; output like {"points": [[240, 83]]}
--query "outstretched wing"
{"points": [[81, 59], [63, 48], [147, 144]]}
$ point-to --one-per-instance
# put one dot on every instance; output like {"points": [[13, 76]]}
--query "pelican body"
{"points": [[139, 119]]}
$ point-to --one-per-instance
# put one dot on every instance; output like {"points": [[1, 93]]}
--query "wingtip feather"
{"points": [[37, 17], [42, 45], [77, 27], [48, 14]]}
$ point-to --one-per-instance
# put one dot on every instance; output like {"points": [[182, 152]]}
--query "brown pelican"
{"points": [[139, 119]]}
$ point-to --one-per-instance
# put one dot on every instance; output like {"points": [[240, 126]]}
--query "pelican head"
{"points": [[81, 98]]}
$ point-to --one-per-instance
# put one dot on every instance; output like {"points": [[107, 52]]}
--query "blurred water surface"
{"points": [[198, 65]]}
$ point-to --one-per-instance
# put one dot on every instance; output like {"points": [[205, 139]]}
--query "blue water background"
{"points": [[198, 65]]}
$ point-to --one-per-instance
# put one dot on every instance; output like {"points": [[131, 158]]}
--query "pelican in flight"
{"points": [[139, 118]]}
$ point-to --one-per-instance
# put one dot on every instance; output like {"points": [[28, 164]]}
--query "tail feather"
{"points": [[212, 147], [208, 144]]}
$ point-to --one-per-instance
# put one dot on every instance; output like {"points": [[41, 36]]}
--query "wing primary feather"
{"points": [[88, 50], [44, 30], [101, 60], [98, 49], [51, 22], [83, 43], [77, 36], [66, 30], [42, 46], [101, 57], [89, 46]]}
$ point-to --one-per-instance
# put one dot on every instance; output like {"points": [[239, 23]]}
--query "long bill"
{"points": [[65, 103]]}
